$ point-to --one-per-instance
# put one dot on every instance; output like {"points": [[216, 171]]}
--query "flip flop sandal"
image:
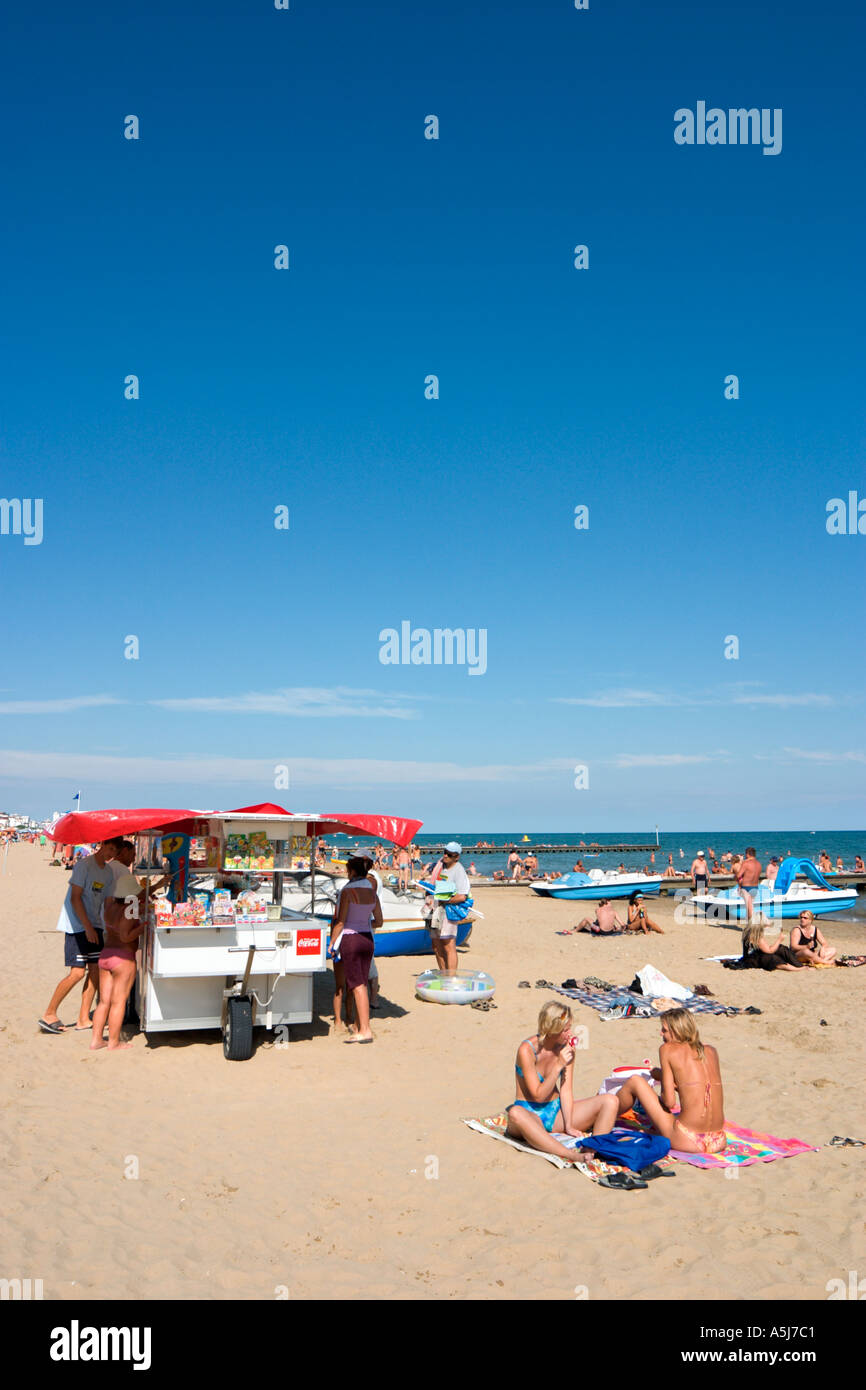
{"points": [[483, 1004], [752, 1010], [625, 1182], [52, 1027], [523, 984], [654, 1171], [840, 1141], [544, 984]]}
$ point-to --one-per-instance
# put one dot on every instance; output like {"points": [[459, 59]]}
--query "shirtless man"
{"points": [[700, 873], [530, 865], [748, 878], [606, 920], [404, 868]]}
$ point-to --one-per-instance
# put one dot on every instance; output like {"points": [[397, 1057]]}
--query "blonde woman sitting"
{"points": [[809, 943], [545, 1105], [769, 955], [688, 1071]]}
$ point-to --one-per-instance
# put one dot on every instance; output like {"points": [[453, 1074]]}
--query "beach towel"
{"points": [[745, 1146], [636, 1004], [591, 1167]]}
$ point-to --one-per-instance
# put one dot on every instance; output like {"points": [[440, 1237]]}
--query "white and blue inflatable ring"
{"points": [[455, 986]]}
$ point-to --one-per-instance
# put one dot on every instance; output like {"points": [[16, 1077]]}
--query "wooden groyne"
{"points": [[576, 850]]}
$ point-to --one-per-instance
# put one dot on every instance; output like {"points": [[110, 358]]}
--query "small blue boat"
{"points": [[786, 898], [400, 940], [595, 885]]}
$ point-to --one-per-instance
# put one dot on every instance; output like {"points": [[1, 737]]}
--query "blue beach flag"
{"points": [[76, 801]]}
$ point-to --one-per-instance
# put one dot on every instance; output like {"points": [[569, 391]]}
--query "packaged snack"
{"points": [[163, 911], [237, 852], [223, 907], [261, 851], [204, 852]]}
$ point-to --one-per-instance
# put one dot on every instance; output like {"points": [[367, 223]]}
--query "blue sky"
{"points": [[558, 387]]}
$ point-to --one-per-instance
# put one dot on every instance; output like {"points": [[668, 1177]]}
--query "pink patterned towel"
{"points": [[746, 1146]]}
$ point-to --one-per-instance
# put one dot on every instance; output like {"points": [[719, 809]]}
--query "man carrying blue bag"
{"points": [[444, 916]]}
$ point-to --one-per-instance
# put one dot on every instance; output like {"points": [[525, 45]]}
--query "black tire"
{"points": [[238, 1030]]}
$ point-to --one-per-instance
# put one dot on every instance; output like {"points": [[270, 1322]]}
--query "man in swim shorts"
{"points": [[700, 873], [748, 878]]}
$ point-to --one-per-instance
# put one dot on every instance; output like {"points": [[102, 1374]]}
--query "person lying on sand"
{"points": [[809, 943], [117, 961], [545, 1104], [606, 922], [689, 1072], [638, 919]]}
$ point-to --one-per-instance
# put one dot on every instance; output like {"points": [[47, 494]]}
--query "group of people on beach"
{"points": [[688, 1108], [358, 914], [101, 920]]}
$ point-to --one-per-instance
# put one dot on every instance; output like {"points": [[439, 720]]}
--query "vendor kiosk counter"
{"points": [[250, 965]]}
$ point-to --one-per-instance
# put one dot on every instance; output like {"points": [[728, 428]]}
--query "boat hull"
{"points": [[396, 939], [782, 907], [591, 892]]}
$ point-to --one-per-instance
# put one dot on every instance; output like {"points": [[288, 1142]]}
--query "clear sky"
{"points": [[305, 388]]}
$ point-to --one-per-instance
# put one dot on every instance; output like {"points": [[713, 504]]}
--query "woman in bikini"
{"points": [[123, 927], [808, 942], [638, 919], [545, 1105], [689, 1072]]}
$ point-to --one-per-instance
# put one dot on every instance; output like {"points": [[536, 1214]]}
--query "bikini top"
{"points": [[707, 1085], [535, 1054]]}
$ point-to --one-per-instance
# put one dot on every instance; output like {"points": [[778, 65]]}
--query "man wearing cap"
{"points": [[700, 872], [443, 931]]}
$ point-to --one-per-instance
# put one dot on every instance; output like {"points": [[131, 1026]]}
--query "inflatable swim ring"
{"points": [[454, 987]]}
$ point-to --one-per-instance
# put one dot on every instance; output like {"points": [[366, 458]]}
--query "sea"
{"points": [[681, 844]]}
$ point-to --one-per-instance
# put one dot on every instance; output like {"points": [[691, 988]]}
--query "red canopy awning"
{"points": [[90, 827], [395, 829]]}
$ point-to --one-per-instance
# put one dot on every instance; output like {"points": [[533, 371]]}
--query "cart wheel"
{"points": [[238, 1032]]}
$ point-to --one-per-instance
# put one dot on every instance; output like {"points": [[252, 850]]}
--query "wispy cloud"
{"points": [[303, 702], [625, 699], [813, 755], [309, 773], [668, 759], [741, 694], [785, 701], [61, 706]]}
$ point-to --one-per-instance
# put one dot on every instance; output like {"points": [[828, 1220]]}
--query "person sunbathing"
{"points": [[638, 919], [769, 955], [808, 942], [545, 1104], [689, 1072], [606, 922]]}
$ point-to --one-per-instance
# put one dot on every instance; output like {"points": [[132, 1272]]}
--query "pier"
{"points": [[576, 850]]}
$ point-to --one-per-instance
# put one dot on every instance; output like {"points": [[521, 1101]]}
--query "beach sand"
{"points": [[303, 1172]]}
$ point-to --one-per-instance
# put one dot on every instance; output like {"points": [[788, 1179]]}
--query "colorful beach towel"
{"points": [[745, 1146], [591, 1167], [637, 1005]]}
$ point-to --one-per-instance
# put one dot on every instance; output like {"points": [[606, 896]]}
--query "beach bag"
{"points": [[457, 912], [655, 985], [629, 1150]]}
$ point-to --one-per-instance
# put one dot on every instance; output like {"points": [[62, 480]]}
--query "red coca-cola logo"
{"points": [[309, 943]]}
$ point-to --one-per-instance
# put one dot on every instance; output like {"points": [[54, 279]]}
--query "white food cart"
{"points": [[253, 966]]}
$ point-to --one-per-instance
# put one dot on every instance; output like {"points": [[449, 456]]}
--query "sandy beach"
{"points": [[303, 1172]]}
